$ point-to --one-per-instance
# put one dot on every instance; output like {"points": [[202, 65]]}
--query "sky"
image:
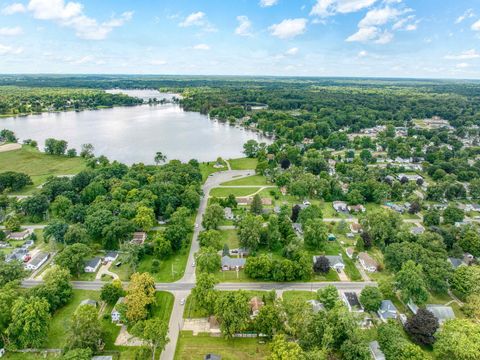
{"points": [[360, 38]]}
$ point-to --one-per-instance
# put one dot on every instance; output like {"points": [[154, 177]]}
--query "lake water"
{"points": [[134, 134]]}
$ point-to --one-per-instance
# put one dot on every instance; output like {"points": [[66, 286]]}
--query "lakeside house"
{"points": [[229, 263], [367, 262], [139, 238], [115, 314], [92, 265], [37, 261]]}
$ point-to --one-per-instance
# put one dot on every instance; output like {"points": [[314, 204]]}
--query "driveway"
{"points": [[104, 269]]}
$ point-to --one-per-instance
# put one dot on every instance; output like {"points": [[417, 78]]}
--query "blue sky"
{"points": [[380, 38]]}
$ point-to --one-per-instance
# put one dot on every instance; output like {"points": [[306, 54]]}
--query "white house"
{"points": [[367, 262], [336, 262], [92, 265], [111, 256], [37, 261], [21, 235], [340, 206], [116, 317]]}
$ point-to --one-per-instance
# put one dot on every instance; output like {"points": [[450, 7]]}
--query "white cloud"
{"points": [[476, 26], [9, 50], [377, 17], [194, 19], [384, 38], [362, 53], [268, 3], [158, 62], [201, 47], [244, 26], [14, 8], [326, 8], [11, 31], [289, 28], [364, 34], [70, 14], [406, 24], [292, 51], [463, 65], [466, 15], [466, 55]]}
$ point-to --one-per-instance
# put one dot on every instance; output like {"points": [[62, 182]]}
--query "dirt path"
{"points": [[10, 147]]}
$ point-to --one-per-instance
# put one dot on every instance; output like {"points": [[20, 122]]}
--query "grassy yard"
{"points": [[163, 306], [332, 275], [39, 165], [256, 180], [191, 347], [224, 192], [243, 164], [289, 296], [230, 237], [350, 268], [206, 168]]}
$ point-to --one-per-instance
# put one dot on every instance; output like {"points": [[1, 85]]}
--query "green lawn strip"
{"points": [[28, 356], [60, 321], [39, 165], [332, 275], [224, 192], [256, 180], [350, 268], [292, 295], [243, 164], [191, 347], [163, 305], [230, 237]]}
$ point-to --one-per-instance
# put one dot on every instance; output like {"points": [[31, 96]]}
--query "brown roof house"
{"points": [[139, 238], [367, 262], [255, 305]]}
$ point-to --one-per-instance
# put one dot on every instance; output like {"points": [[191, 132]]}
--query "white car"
{"points": [[193, 264], [196, 226], [182, 302]]}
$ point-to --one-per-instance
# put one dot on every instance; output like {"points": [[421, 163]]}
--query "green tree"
{"points": [[11, 271], [140, 295], [112, 291], [315, 234], [9, 293], [431, 218], [281, 349], [60, 206], [154, 332], [56, 230], [269, 320], [85, 330], [211, 238], [76, 233], [256, 207], [77, 354], [466, 280], [328, 296], [458, 339], [145, 218], [73, 258], [232, 311], [382, 226], [204, 293], [411, 283], [471, 308], [470, 242], [160, 157], [371, 298], [422, 327], [394, 344], [56, 287], [12, 223], [311, 212], [35, 207], [249, 231], [452, 214], [213, 217], [208, 260], [29, 325]]}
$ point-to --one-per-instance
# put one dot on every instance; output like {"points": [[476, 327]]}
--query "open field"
{"points": [[243, 164], [224, 192], [255, 180], [191, 347], [39, 165], [230, 237]]}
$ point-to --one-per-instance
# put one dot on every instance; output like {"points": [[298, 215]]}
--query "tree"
{"points": [[452, 214], [60, 206], [76, 233], [140, 294], [355, 197], [11, 271], [470, 242], [422, 327], [213, 216], [274, 236], [56, 230], [281, 349], [208, 260], [111, 292], [394, 344], [87, 151], [211, 238], [315, 234], [459, 339], [328, 296], [204, 293], [382, 226], [73, 258], [431, 218], [310, 213], [466, 280], [411, 284], [55, 147], [145, 218], [232, 311], [154, 332], [85, 330], [371, 298], [414, 208], [14, 181], [29, 325], [35, 206], [256, 207], [9, 293], [161, 246], [471, 308], [322, 264], [250, 148], [77, 354], [12, 223], [269, 320], [56, 287], [249, 230], [160, 157]]}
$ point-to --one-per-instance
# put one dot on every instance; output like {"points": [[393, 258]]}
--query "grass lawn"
{"points": [[243, 164], [230, 237], [289, 296], [191, 347], [27, 356], [231, 276], [39, 165], [257, 180], [206, 168], [224, 192], [170, 270], [350, 268], [60, 320], [332, 275], [163, 306]]}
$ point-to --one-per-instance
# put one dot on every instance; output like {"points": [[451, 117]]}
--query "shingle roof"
{"points": [[93, 263], [441, 312], [233, 262], [387, 310]]}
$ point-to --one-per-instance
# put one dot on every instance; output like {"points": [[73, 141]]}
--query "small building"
{"points": [[89, 302], [417, 230], [228, 214], [28, 244], [409, 177], [139, 238], [2, 352], [351, 300], [20, 235], [19, 254], [115, 314], [316, 305], [356, 208], [111, 256], [456, 263], [298, 228], [377, 353], [387, 311], [340, 206], [441, 312], [355, 228], [331, 237], [92, 265], [367, 262], [255, 305], [350, 251], [229, 263], [336, 262], [37, 261]]}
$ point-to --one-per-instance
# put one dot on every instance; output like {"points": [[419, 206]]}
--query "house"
{"points": [[228, 214], [92, 265], [4, 245], [298, 228], [316, 305], [340, 206], [349, 251], [395, 207], [456, 263], [377, 353], [356, 208], [37, 261], [387, 311], [409, 177], [351, 300], [18, 254], [255, 305], [441, 312], [367, 262], [139, 238], [229, 263], [111, 256], [417, 230], [21, 235], [115, 314], [335, 261], [355, 228], [28, 244], [89, 302], [212, 357]]}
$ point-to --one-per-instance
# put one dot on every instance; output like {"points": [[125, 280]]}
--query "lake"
{"points": [[134, 134]]}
